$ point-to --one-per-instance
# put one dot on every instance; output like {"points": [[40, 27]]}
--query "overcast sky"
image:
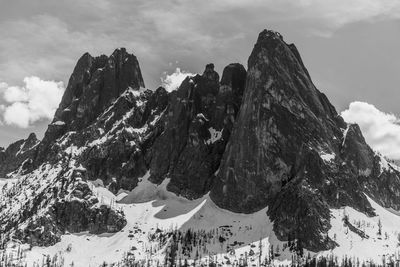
{"points": [[351, 48]]}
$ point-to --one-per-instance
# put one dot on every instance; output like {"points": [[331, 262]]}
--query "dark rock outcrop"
{"points": [[94, 84], [201, 114], [18, 154], [97, 132], [76, 214], [282, 117], [277, 153], [121, 137]]}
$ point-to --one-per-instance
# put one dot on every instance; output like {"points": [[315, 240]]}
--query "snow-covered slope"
{"points": [[153, 214], [363, 238]]}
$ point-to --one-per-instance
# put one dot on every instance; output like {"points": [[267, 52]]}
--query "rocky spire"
{"points": [[94, 84], [210, 73], [273, 154], [201, 116], [279, 99], [233, 82]]}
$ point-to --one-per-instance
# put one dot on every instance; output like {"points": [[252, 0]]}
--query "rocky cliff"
{"points": [[18, 155], [201, 114]]}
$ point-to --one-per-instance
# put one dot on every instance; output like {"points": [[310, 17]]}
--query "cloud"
{"points": [[59, 33], [381, 130], [17, 114], [173, 81], [36, 100]]}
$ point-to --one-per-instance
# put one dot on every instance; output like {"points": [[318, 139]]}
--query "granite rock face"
{"points": [[94, 84], [291, 151], [282, 117], [201, 114]]}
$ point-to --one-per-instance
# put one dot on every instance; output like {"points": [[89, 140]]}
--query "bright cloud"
{"points": [[36, 100], [173, 81], [381, 130]]}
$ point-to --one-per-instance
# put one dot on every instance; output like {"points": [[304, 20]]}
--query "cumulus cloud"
{"points": [[173, 81], [36, 100], [381, 130]]}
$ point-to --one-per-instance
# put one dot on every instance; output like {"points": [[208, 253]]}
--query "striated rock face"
{"points": [[119, 139], [94, 84], [282, 118], [18, 154], [291, 151], [201, 114]]}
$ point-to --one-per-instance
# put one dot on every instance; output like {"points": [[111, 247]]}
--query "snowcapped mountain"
{"points": [[255, 167]]}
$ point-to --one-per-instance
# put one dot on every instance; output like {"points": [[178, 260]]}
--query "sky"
{"points": [[350, 47]]}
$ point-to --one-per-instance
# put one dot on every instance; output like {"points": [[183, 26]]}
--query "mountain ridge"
{"points": [[255, 139]]}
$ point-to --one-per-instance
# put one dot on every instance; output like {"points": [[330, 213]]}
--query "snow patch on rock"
{"points": [[327, 157], [215, 135]]}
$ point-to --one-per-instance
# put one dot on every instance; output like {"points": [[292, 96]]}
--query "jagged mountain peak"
{"points": [[32, 136], [121, 52], [17, 154], [231, 75], [269, 35], [94, 85], [271, 54], [84, 59], [276, 155], [120, 65], [210, 73], [259, 141]]}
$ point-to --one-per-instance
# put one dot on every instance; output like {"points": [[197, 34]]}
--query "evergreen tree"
{"points": [[379, 227]]}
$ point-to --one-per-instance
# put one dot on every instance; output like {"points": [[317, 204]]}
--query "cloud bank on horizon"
{"points": [[381, 130], [36, 100]]}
